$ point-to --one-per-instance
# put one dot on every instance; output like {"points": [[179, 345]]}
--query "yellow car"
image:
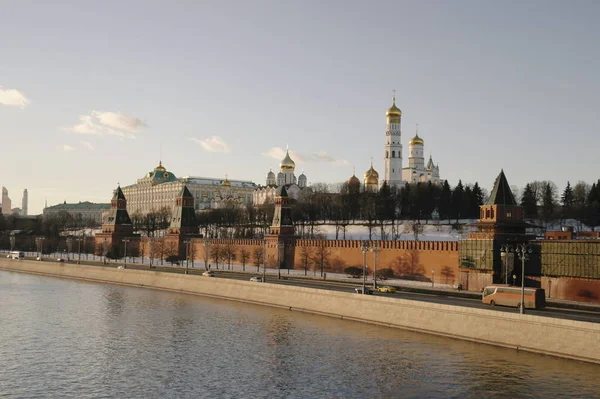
{"points": [[386, 289]]}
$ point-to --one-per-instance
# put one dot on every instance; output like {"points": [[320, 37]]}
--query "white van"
{"points": [[17, 255]]}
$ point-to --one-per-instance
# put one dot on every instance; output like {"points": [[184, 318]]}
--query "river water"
{"points": [[72, 339]]}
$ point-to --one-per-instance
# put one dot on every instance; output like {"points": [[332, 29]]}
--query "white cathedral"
{"points": [[395, 174], [285, 177]]}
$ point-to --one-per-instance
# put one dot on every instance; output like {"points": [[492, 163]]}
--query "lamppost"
{"points": [[365, 249], [523, 251], [280, 246], [505, 250], [40, 244], [12, 243], [375, 249], [264, 260], [105, 249], [187, 251], [125, 240], [206, 252], [79, 250], [69, 247], [432, 278]]}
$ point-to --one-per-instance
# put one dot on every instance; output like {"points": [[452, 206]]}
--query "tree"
{"points": [[258, 256], [445, 204], [567, 200], [529, 202], [548, 202], [457, 200], [170, 251], [477, 200], [229, 251], [321, 255], [305, 257], [244, 256], [216, 253]]}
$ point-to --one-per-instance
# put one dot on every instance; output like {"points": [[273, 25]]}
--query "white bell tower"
{"points": [[393, 146]]}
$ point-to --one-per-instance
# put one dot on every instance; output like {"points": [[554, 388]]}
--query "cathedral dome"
{"points": [[353, 181], [371, 176], [393, 111], [226, 182], [287, 163], [270, 175], [416, 140]]}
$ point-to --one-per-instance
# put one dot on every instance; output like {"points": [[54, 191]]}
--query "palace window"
{"points": [[393, 154]]}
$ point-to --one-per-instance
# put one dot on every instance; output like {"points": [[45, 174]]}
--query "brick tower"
{"points": [[116, 227], [183, 225], [281, 241]]}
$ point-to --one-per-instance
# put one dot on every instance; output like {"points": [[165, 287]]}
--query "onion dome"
{"points": [[226, 182], [371, 176], [287, 163], [353, 181], [393, 111], [416, 140], [270, 175]]}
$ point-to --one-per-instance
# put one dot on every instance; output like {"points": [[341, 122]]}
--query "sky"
{"points": [[96, 93]]}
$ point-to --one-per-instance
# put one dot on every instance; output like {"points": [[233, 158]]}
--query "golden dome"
{"points": [[160, 168], [416, 140], [287, 163], [353, 181], [371, 176], [226, 182], [393, 111]]}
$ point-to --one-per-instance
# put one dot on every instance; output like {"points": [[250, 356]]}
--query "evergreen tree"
{"points": [[445, 202], [593, 206], [405, 210], [548, 202], [566, 200], [529, 203], [457, 200], [477, 201], [466, 205]]}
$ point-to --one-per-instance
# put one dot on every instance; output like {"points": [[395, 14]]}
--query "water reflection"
{"points": [[69, 339]]}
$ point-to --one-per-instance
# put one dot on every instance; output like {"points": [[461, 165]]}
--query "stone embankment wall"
{"points": [[564, 338]]}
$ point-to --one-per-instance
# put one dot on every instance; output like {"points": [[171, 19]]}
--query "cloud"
{"points": [[99, 123], [321, 156], [13, 97], [212, 144], [88, 145], [66, 147]]}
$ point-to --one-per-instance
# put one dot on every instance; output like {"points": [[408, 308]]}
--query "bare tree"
{"points": [[216, 253], [414, 228], [306, 255], [159, 249], [259, 256], [244, 256], [192, 253], [321, 255], [171, 251], [229, 251]]}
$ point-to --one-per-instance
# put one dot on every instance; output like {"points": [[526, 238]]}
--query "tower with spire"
{"points": [[281, 238], [116, 227], [393, 146]]}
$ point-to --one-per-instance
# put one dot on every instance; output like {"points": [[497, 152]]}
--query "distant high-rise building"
{"points": [[24, 203], [6, 202]]}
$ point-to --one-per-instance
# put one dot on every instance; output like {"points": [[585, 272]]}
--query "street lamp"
{"points": [[40, 244], [206, 252], [69, 247], [280, 246], [375, 249], [365, 249], [12, 243], [79, 250], [264, 259], [505, 250], [105, 248], [187, 251], [523, 251], [432, 278], [125, 240]]}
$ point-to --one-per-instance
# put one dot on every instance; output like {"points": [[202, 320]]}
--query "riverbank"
{"points": [[557, 337]]}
